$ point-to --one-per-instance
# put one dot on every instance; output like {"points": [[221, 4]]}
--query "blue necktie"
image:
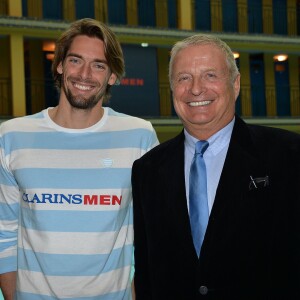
{"points": [[198, 204]]}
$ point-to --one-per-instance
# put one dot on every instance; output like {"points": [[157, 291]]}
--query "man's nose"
{"points": [[86, 71], [197, 86]]}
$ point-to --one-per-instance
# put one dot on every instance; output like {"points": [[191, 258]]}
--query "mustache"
{"points": [[79, 79]]}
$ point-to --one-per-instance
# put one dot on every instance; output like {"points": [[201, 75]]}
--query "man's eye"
{"points": [[183, 78], [99, 66], [211, 75], [74, 60]]}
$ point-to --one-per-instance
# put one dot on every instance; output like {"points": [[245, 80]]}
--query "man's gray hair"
{"points": [[204, 39]]}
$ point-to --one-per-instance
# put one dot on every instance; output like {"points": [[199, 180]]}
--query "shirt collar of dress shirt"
{"points": [[216, 142]]}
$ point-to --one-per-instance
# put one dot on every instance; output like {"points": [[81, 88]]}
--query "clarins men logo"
{"points": [[43, 198]]}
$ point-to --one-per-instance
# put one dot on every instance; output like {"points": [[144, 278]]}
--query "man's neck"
{"points": [[74, 118]]}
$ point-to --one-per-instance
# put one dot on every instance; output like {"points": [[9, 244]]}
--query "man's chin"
{"points": [[81, 103]]}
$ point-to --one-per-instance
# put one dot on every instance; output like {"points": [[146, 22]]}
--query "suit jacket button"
{"points": [[203, 290]]}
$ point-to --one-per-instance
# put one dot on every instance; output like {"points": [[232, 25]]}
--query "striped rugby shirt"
{"points": [[66, 205]]}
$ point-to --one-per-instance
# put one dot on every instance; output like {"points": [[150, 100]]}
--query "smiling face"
{"points": [[85, 73], [204, 93]]}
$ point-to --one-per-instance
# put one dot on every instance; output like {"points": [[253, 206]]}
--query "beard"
{"points": [[81, 102]]}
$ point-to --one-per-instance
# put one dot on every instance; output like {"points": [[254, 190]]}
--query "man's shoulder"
{"points": [[264, 135], [20, 123], [127, 120], [274, 135], [163, 150]]}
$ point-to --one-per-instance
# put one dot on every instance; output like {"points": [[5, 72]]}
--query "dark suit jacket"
{"points": [[251, 248]]}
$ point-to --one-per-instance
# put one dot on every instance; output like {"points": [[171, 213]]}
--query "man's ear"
{"points": [[237, 85], [112, 79], [59, 68]]}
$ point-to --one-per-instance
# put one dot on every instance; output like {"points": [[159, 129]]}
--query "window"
{"points": [[172, 14], [255, 16], [202, 15], [280, 16], [146, 13], [229, 12], [117, 12], [52, 9], [84, 9]]}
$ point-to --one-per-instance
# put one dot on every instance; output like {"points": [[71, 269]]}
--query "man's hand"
{"points": [[8, 285]]}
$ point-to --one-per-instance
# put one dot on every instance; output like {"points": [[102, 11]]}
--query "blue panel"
{"points": [[172, 14], [117, 12], [146, 13], [257, 78], [282, 88], [280, 16], [84, 9], [202, 15], [255, 16], [51, 94], [229, 12], [52, 9], [138, 94], [238, 106], [24, 8]]}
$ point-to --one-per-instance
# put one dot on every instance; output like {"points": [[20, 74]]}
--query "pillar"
{"points": [[17, 75], [245, 91], [101, 10], [267, 11], [185, 20], [216, 15], [132, 12], [242, 16]]}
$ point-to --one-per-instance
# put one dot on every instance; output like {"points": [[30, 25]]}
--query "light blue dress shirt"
{"points": [[214, 158]]}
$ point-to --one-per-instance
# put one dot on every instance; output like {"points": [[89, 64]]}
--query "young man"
{"points": [[65, 193], [234, 233]]}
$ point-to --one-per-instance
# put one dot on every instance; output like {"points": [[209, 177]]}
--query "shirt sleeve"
{"points": [[9, 212], [153, 140]]}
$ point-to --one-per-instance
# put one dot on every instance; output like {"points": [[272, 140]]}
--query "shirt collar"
{"points": [[217, 141]]}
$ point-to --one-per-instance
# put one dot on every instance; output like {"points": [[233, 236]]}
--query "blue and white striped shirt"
{"points": [[66, 205]]}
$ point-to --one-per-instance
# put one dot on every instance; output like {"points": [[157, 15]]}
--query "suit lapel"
{"points": [[173, 167]]}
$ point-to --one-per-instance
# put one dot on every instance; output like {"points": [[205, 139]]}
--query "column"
{"points": [[242, 16], [132, 13], [216, 15], [17, 75], [292, 17], [101, 10], [69, 10], [267, 16], [161, 12], [185, 20], [35, 8], [15, 8], [245, 91]]}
